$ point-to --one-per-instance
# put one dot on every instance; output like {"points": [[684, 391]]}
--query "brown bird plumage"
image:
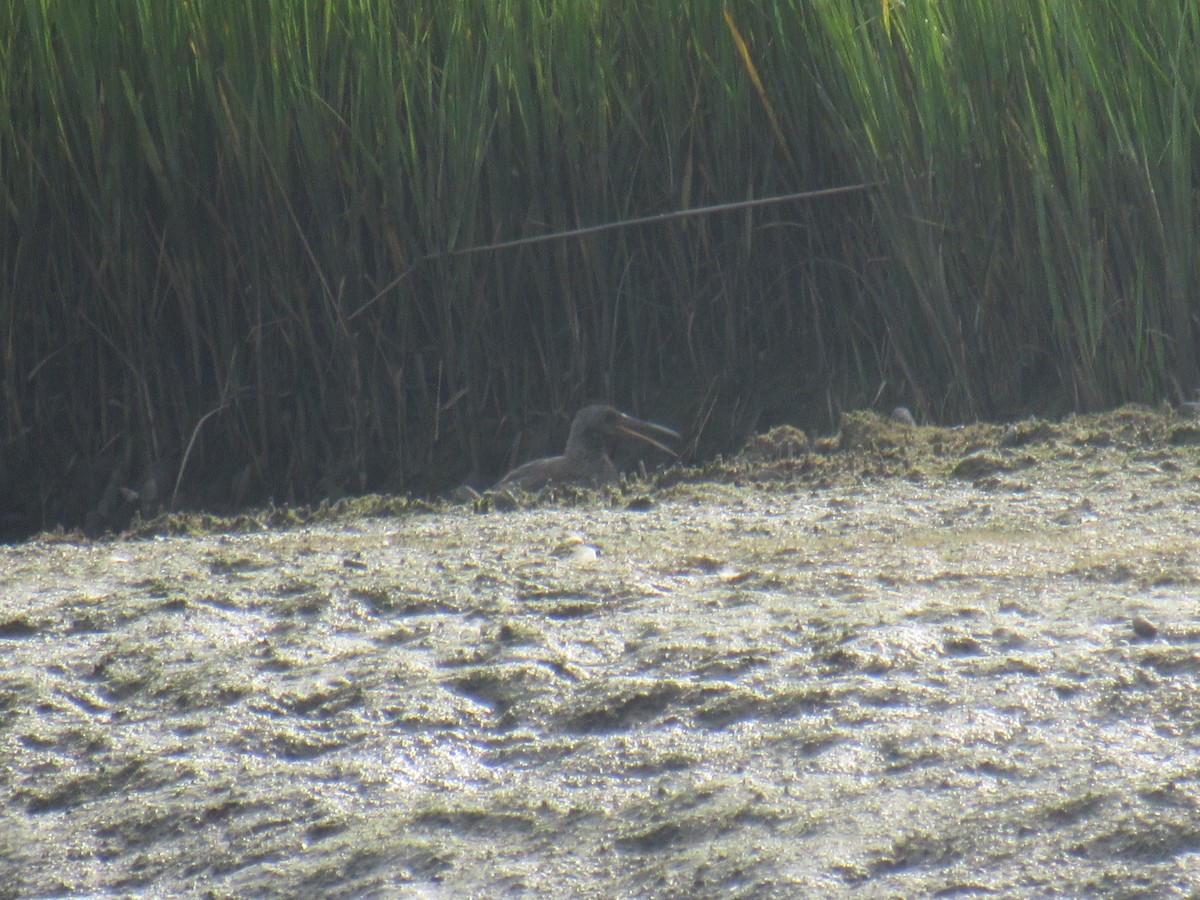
{"points": [[586, 460]]}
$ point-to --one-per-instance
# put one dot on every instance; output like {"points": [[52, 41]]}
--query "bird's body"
{"points": [[586, 460]]}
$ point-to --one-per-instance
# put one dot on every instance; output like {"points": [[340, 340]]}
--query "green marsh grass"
{"points": [[229, 230], [1040, 174]]}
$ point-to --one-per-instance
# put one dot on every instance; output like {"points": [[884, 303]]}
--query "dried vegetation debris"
{"points": [[867, 444]]}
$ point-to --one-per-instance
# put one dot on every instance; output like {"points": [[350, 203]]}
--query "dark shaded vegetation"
{"points": [[231, 237]]}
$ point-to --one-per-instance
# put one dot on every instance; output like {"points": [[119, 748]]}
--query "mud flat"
{"points": [[898, 662]]}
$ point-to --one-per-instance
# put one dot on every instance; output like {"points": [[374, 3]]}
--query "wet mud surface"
{"points": [[899, 662]]}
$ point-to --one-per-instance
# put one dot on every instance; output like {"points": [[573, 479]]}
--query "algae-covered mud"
{"points": [[899, 662]]}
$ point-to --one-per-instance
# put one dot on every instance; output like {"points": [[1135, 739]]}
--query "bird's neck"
{"points": [[586, 450]]}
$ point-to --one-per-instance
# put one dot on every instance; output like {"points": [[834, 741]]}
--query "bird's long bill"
{"points": [[636, 428]]}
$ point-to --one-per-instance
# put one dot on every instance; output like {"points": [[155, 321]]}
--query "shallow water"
{"points": [[777, 686]]}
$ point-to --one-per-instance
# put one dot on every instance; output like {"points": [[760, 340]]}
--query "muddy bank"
{"points": [[892, 663]]}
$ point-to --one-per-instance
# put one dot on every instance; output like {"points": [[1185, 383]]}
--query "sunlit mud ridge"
{"points": [[895, 662]]}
